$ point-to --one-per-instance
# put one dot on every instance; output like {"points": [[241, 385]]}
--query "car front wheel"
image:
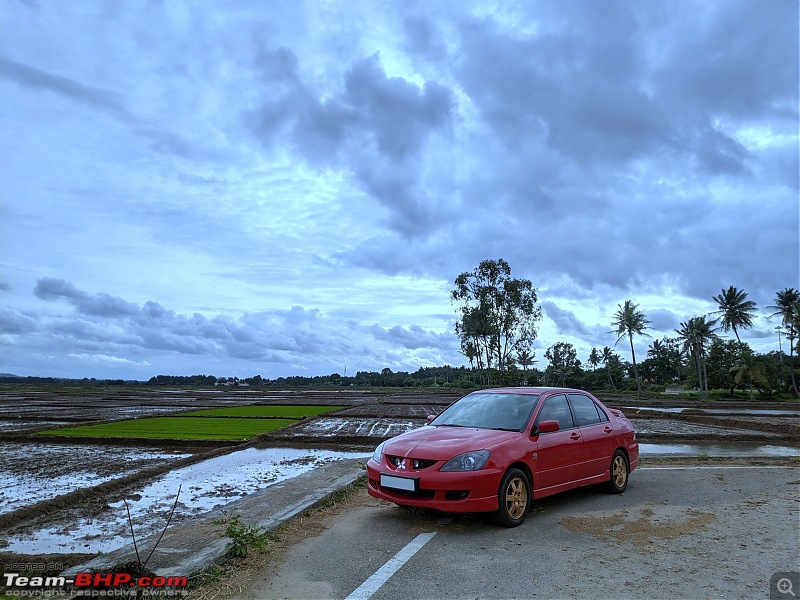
{"points": [[619, 473], [514, 498]]}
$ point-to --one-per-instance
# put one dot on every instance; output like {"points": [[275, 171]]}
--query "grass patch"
{"points": [[178, 428], [288, 412]]}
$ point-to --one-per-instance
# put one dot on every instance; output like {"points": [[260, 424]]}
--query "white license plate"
{"points": [[399, 483]]}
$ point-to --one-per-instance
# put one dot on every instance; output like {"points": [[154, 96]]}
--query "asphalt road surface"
{"points": [[677, 532]]}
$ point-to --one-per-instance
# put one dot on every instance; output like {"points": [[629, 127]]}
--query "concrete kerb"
{"points": [[190, 547]]}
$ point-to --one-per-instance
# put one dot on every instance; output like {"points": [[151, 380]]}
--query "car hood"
{"points": [[443, 443]]}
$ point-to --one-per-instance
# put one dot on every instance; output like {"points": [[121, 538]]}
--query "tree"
{"points": [[696, 334], [628, 320], [498, 313], [734, 310], [665, 359], [563, 361], [525, 358], [610, 362], [594, 358], [787, 306], [747, 368], [723, 355]]}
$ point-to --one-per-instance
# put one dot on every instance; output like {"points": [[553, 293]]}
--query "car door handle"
{"points": [[607, 429], [576, 436]]}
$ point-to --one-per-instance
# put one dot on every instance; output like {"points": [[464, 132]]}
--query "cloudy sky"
{"points": [[290, 188]]}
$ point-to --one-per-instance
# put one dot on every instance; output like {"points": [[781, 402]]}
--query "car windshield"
{"points": [[508, 412]]}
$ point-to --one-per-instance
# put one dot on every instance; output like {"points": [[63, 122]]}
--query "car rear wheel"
{"points": [[514, 498], [619, 473]]}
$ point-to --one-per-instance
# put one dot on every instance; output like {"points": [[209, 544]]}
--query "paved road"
{"points": [[693, 532]]}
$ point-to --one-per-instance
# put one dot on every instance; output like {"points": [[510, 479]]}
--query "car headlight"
{"points": [[376, 456], [469, 461]]}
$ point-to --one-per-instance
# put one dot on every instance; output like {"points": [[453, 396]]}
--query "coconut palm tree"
{"points": [[628, 320], [525, 358], [787, 306], [696, 334], [594, 358], [735, 310], [608, 358]]}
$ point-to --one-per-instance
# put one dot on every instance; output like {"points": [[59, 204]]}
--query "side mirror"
{"points": [[548, 427], [429, 418]]}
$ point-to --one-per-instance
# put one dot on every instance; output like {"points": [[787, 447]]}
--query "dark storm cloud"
{"points": [[565, 320], [101, 305], [736, 58], [57, 84], [664, 320], [423, 38], [413, 337], [376, 127]]}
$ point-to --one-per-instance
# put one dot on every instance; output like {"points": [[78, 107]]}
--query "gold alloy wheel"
{"points": [[516, 498], [619, 471]]}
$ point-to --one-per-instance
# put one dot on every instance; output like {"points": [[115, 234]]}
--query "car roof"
{"points": [[528, 390]]}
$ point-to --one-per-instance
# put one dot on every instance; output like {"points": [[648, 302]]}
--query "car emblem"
{"points": [[402, 464]]}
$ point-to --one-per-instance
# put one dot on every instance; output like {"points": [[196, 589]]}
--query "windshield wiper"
{"points": [[502, 429], [449, 425]]}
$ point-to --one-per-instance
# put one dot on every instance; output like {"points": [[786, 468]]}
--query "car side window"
{"points": [[556, 409], [585, 410]]}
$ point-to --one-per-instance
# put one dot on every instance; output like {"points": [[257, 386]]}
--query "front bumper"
{"points": [[455, 492]]}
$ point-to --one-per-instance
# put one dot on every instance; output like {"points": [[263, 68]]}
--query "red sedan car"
{"points": [[495, 450]]}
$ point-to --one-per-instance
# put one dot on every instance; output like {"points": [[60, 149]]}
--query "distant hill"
{"points": [[8, 375]]}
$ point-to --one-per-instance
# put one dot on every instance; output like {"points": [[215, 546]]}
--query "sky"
{"points": [[241, 187]]}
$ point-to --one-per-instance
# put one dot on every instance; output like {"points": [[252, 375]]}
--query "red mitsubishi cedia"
{"points": [[495, 450]]}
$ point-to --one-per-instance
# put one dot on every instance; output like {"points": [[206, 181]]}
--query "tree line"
{"points": [[497, 324]]}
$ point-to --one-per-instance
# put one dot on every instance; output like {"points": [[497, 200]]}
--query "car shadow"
{"points": [[580, 500]]}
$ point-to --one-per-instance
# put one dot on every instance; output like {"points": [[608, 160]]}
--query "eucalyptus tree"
{"points": [[629, 321], [498, 313], [787, 306], [696, 334], [735, 310]]}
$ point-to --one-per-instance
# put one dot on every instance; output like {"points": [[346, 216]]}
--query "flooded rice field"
{"points": [[716, 450], [35, 472], [203, 486], [68, 497]]}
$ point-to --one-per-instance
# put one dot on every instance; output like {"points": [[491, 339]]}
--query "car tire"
{"points": [[619, 471], [514, 498]]}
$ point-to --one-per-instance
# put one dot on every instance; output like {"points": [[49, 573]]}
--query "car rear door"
{"points": [[559, 453], [598, 436]]}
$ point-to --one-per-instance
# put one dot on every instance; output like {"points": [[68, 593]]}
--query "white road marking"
{"points": [[713, 468], [382, 575]]}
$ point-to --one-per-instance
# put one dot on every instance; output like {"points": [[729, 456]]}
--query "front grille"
{"points": [[409, 464]]}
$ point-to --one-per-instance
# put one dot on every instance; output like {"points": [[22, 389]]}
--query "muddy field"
{"points": [[66, 490]]}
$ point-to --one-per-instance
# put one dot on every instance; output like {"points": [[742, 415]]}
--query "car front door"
{"points": [[559, 453]]}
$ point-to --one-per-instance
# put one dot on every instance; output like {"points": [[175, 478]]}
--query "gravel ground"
{"points": [[678, 532]]}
